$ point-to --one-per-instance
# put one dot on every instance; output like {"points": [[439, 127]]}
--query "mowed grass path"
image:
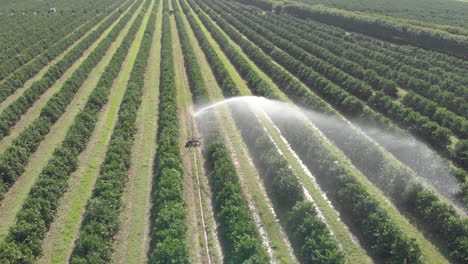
{"points": [[132, 242], [15, 197], [59, 241]]}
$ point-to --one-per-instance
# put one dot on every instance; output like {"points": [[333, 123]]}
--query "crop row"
{"points": [[333, 94], [17, 31], [17, 56], [365, 69], [413, 121], [24, 240], [38, 37], [434, 210], [285, 190], [34, 44], [390, 61], [386, 172], [241, 242], [101, 220], [403, 76], [15, 158], [169, 218], [17, 108], [399, 237], [389, 29], [304, 223], [384, 247], [252, 78], [18, 78]]}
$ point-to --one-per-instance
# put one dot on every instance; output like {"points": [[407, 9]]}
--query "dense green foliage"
{"points": [[219, 70], [383, 237], [310, 237], [416, 80], [252, 78], [101, 220], [15, 158], [19, 77], [241, 240], [196, 83], [169, 226], [44, 37], [23, 242], [385, 28], [413, 121], [383, 174], [381, 247], [20, 106], [444, 12]]}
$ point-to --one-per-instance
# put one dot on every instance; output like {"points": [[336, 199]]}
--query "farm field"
{"points": [[233, 131]]}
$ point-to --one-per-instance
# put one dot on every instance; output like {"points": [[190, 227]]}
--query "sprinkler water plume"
{"points": [[412, 152]]}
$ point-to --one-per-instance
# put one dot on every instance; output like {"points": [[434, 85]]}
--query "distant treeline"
{"points": [[443, 12], [426, 36]]}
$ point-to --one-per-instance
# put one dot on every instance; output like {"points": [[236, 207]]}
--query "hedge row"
{"points": [[252, 78], [432, 67], [219, 70], [391, 178], [169, 217], [14, 58], [19, 78], [20, 106], [101, 219], [355, 60], [196, 83], [444, 98], [424, 128], [308, 234], [380, 233], [240, 237], [388, 29], [15, 158], [296, 232], [24, 240], [457, 124], [35, 34]]}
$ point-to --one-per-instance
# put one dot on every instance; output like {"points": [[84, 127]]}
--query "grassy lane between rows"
{"points": [[58, 243], [353, 251], [196, 232], [17, 194], [132, 242]]}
